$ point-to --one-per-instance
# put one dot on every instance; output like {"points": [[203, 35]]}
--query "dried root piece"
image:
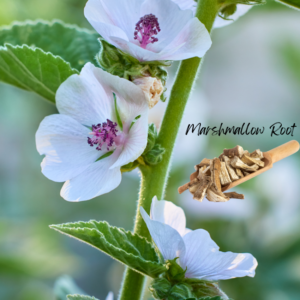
{"points": [[237, 163], [246, 173], [216, 196], [233, 175], [202, 188], [187, 186], [204, 162], [252, 161], [204, 170], [234, 195], [239, 173], [192, 186], [215, 169], [236, 151], [257, 154], [224, 175], [246, 152]]}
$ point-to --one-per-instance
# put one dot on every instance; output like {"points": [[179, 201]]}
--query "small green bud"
{"points": [[119, 63], [152, 135], [181, 291], [155, 155], [160, 288], [227, 11], [175, 273]]}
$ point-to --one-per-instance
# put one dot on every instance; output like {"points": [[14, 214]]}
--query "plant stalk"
{"points": [[154, 178]]}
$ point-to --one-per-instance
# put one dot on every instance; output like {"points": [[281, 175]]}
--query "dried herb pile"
{"points": [[214, 174]]}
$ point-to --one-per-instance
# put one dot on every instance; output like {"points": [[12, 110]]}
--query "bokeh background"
{"points": [[251, 74]]}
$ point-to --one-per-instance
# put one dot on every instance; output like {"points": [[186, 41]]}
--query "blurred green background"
{"points": [[251, 74]]}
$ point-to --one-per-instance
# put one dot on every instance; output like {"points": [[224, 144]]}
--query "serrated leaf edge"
{"points": [[50, 23], [55, 227]]}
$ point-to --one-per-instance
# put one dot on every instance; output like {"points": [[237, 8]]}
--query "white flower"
{"points": [[149, 30], [196, 250], [87, 128], [219, 22], [152, 88]]}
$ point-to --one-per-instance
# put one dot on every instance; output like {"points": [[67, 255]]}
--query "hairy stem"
{"points": [[154, 179]]}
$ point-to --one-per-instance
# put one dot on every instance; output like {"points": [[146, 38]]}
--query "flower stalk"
{"points": [[154, 178]]}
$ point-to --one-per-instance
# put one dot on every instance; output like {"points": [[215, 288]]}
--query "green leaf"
{"points": [[80, 297], [128, 248], [75, 45], [33, 70], [291, 3]]}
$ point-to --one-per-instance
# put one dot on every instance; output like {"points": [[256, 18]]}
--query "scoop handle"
{"points": [[284, 151]]}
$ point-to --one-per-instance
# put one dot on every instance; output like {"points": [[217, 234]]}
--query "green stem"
{"points": [[154, 178]]}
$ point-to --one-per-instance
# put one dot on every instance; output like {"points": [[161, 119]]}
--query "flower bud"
{"points": [[155, 155], [181, 291], [152, 135], [160, 288], [152, 88], [175, 273]]}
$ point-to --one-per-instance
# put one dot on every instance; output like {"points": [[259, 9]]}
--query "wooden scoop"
{"points": [[269, 159]]}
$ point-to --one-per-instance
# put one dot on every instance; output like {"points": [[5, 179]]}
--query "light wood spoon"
{"points": [[269, 159]]}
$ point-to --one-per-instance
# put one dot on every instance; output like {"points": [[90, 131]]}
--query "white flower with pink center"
{"points": [[149, 30], [102, 126], [196, 251], [241, 9]]}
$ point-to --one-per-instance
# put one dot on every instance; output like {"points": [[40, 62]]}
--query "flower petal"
{"points": [[168, 240], [105, 20], [110, 296], [240, 10], [134, 50], [131, 100], [171, 21], [193, 40], [124, 15], [136, 141], [168, 213], [204, 260], [186, 4], [96, 180], [64, 141], [83, 98]]}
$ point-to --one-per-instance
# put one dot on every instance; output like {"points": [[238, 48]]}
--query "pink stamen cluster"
{"points": [[145, 28], [103, 133]]}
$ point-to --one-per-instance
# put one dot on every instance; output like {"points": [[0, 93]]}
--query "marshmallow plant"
{"points": [[103, 83], [101, 127], [149, 30], [196, 253]]}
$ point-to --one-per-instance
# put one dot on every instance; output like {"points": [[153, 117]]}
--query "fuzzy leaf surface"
{"points": [[128, 248], [33, 70], [75, 45]]}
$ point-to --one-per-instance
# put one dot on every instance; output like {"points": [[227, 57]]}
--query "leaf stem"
{"points": [[154, 178]]}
